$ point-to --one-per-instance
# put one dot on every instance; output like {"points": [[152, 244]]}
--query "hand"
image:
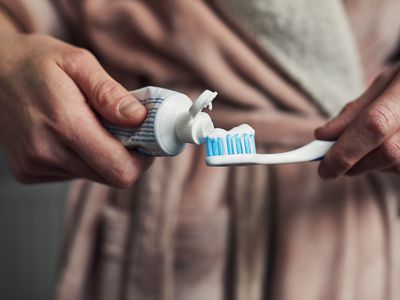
{"points": [[367, 131], [48, 130]]}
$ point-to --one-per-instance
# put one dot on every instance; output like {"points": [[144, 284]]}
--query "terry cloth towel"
{"points": [[187, 231], [312, 41]]}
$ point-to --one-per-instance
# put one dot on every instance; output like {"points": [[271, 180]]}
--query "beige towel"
{"points": [[312, 40]]}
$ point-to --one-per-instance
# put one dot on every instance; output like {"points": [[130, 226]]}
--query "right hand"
{"points": [[48, 130]]}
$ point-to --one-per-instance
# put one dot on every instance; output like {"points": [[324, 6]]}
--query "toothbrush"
{"points": [[237, 147]]}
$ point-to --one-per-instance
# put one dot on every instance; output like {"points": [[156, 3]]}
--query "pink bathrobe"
{"points": [[187, 231]]}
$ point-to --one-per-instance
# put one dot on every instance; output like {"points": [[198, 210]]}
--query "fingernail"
{"points": [[130, 107]]}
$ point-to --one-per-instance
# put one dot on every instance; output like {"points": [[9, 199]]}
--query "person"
{"points": [[181, 230]]}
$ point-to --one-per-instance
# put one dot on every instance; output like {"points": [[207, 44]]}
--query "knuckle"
{"points": [[391, 152], [377, 122], [39, 153], [66, 126], [124, 179], [74, 57], [108, 92], [63, 126]]}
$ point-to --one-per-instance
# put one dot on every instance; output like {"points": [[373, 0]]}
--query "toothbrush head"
{"points": [[224, 147]]}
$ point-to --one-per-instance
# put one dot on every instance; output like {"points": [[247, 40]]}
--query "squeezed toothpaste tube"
{"points": [[172, 121]]}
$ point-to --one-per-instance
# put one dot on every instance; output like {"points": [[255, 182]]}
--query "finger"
{"points": [[102, 152], [335, 127], [105, 95], [48, 157], [385, 156], [375, 124], [71, 167], [76, 167]]}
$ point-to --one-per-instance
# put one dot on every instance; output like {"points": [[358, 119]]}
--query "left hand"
{"points": [[367, 131]]}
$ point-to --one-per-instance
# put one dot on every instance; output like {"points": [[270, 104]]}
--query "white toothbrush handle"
{"points": [[310, 152]]}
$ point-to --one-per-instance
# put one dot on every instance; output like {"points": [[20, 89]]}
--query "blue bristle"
{"points": [[215, 147], [238, 144], [209, 147], [253, 144], [248, 140], [246, 143], [229, 145], [220, 147], [233, 145]]}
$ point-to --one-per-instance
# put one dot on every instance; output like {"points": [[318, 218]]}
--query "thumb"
{"points": [[109, 98], [335, 127]]}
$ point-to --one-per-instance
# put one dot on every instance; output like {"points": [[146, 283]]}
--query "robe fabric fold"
{"points": [[188, 231]]}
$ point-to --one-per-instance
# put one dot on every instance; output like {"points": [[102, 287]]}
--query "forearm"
{"points": [[6, 23]]}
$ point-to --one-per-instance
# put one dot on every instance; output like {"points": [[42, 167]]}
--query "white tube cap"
{"points": [[193, 126]]}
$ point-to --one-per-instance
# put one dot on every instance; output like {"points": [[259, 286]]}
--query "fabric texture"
{"points": [[187, 231], [310, 39]]}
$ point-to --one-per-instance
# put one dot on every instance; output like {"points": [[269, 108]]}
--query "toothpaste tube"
{"points": [[172, 121]]}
